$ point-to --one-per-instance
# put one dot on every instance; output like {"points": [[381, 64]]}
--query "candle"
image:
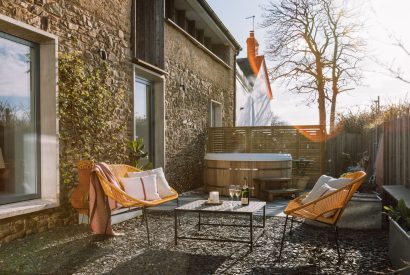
{"points": [[214, 196]]}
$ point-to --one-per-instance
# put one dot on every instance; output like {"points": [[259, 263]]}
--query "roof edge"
{"points": [[219, 23]]}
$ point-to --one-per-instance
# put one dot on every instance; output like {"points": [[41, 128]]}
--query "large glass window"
{"points": [[144, 114], [19, 120]]}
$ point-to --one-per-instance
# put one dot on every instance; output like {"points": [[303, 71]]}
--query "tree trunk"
{"points": [[335, 91], [322, 105], [321, 91]]}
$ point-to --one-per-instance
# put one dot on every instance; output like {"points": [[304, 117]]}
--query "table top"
{"points": [[225, 207]]}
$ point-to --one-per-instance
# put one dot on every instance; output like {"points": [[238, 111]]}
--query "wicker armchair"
{"points": [[326, 209], [127, 201], [118, 195]]}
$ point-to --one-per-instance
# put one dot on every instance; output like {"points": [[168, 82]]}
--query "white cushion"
{"points": [[338, 183], [324, 189], [142, 188], [315, 192], [164, 190]]}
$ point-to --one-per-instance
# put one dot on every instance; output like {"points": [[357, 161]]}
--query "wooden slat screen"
{"points": [[305, 141], [392, 137]]}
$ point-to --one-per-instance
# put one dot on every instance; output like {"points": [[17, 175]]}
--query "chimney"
{"points": [[252, 46]]}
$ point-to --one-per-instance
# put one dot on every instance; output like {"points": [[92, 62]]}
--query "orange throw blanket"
{"points": [[100, 204]]}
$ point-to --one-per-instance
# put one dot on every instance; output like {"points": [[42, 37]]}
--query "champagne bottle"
{"points": [[245, 192]]}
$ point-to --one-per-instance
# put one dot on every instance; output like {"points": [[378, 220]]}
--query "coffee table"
{"points": [[232, 208]]}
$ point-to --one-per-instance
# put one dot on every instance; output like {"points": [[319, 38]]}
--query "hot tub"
{"points": [[224, 169]]}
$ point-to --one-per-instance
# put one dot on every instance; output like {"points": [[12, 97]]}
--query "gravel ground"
{"points": [[311, 250]]}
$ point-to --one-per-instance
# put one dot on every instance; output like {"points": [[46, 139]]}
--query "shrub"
{"points": [[91, 121]]}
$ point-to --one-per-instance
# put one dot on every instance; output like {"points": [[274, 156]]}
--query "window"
{"points": [[215, 114], [148, 33], [19, 120], [144, 114]]}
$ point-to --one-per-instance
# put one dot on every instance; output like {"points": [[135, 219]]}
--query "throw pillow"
{"points": [[164, 190], [324, 189], [315, 192], [142, 188], [339, 183]]}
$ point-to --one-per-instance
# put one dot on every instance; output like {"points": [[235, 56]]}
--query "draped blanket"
{"points": [[100, 204]]}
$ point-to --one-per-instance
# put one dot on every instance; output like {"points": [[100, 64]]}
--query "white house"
{"points": [[253, 91]]}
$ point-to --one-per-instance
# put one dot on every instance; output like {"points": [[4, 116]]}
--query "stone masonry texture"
{"points": [[194, 79], [83, 26]]}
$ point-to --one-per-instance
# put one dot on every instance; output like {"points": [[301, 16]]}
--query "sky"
{"points": [[381, 18], [14, 76]]}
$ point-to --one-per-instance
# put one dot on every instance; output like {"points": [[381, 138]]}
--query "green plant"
{"points": [[138, 154], [400, 213], [92, 114]]}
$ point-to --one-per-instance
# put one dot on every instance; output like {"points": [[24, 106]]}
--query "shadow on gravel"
{"points": [[307, 269], [60, 256], [169, 262]]}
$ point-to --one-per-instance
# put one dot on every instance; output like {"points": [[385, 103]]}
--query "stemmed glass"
{"points": [[232, 189], [237, 191]]}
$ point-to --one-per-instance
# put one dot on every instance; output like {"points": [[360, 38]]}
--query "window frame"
{"points": [[215, 118], [36, 93], [151, 115]]}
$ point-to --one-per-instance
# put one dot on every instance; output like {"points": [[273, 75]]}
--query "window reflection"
{"points": [[142, 114], [18, 134]]}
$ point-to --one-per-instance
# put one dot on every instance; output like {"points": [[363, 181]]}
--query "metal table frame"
{"points": [[251, 225]]}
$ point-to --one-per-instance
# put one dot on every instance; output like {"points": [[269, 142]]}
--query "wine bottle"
{"points": [[245, 192]]}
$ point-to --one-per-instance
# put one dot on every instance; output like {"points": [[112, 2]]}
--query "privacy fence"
{"points": [[302, 142], [387, 146]]}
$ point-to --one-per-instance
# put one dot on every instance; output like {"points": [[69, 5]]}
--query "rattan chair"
{"points": [[326, 209], [127, 201]]}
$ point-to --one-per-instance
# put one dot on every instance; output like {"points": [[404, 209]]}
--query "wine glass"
{"points": [[232, 189], [237, 191]]}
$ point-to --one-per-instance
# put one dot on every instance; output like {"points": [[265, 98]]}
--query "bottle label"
{"points": [[245, 200]]}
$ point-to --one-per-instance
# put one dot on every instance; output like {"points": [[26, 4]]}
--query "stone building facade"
{"points": [[195, 75], [194, 78]]}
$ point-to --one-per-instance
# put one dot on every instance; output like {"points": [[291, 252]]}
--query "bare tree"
{"points": [[315, 49], [297, 47], [392, 69], [346, 54], [277, 121]]}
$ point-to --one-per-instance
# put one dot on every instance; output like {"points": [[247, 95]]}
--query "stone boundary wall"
{"points": [[85, 26], [194, 79]]}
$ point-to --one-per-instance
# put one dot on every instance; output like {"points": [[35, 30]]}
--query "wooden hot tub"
{"points": [[224, 169]]}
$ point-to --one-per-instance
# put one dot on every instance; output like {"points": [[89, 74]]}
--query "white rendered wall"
{"points": [[244, 110], [261, 102]]}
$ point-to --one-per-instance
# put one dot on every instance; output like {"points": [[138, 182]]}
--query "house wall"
{"points": [[194, 79], [85, 26], [244, 104], [262, 108]]}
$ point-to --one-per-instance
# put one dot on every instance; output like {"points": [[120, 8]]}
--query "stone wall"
{"points": [[85, 26], [194, 79]]}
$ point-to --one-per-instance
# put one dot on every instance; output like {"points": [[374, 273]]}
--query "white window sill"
{"points": [[20, 208]]}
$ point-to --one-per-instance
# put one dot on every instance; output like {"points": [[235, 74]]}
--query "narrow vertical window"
{"points": [[215, 114], [144, 114], [19, 120]]}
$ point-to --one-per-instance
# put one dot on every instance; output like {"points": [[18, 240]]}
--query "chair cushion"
{"points": [[142, 188], [164, 190], [317, 190], [324, 189], [338, 183]]}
